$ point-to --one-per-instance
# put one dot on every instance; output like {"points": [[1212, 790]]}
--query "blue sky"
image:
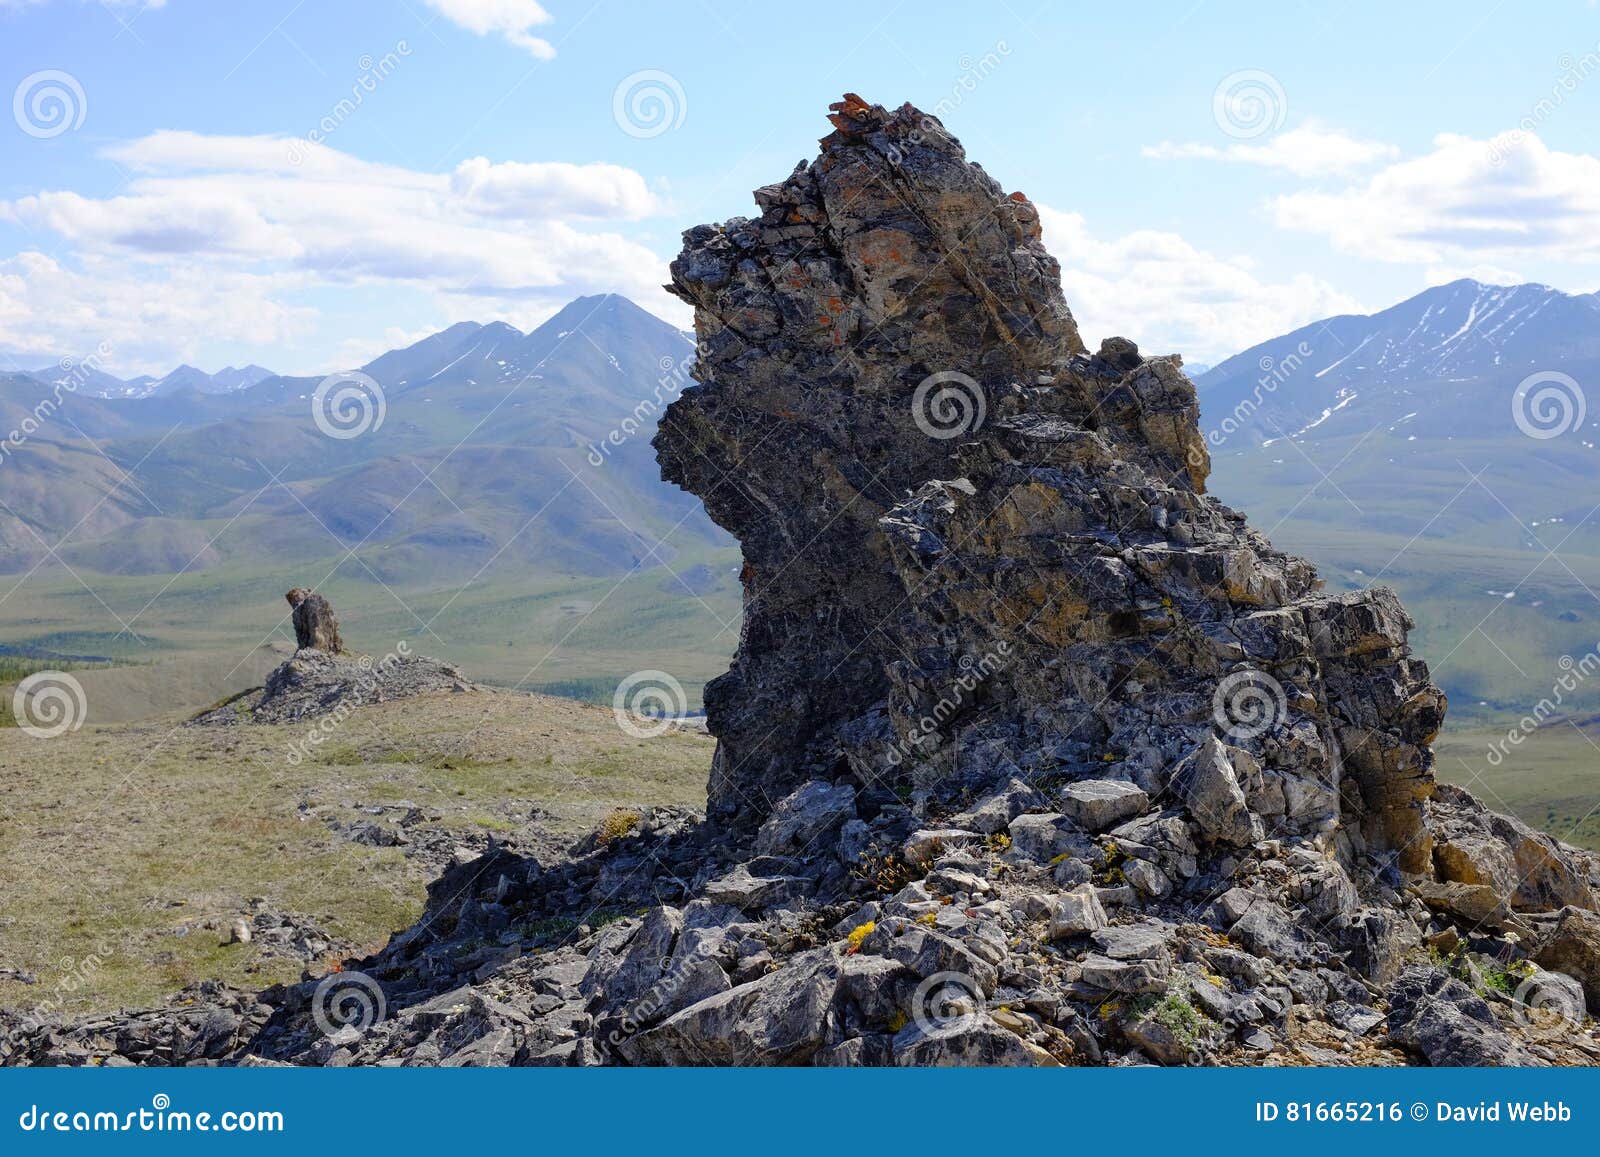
{"points": [[199, 193]]}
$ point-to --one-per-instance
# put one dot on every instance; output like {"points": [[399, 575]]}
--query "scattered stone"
{"points": [[1075, 913], [1098, 804], [1206, 783], [999, 809], [804, 817]]}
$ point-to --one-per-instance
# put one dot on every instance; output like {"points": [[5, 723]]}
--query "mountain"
{"points": [[99, 384], [1457, 343], [93, 382], [224, 381], [501, 469], [1447, 446]]}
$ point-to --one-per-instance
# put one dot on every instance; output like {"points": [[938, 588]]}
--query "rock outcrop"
{"points": [[1032, 752], [322, 677], [315, 625], [932, 477]]}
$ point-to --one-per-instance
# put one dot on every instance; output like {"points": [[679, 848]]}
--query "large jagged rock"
{"points": [[955, 519]]}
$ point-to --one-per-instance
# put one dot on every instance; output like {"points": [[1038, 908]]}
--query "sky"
{"points": [[304, 185]]}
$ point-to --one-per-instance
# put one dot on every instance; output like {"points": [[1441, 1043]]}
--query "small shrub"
{"points": [[620, 823], [1173, 1012]]}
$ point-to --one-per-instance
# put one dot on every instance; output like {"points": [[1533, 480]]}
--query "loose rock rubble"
{"points": [[1031, 754]]}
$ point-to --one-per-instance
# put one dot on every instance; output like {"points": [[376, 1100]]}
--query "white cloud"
{"points": [[1311, 150], [1503, 201], [1171, 297], [237, 216], [49, 311], [517, 190], [509, 18]]}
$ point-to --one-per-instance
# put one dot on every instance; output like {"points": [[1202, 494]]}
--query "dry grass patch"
{"points": [[119, 844]]}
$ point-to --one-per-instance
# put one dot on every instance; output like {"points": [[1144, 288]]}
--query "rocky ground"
{"points": [[315, 685], [1032, 753]]}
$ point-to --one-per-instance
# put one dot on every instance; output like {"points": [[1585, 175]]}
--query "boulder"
{"points": [[1000, 808], [1206, 783], [803, 819], [1098, 804], [1573, 947], [1445, 1022], [779, 1019], [1076, 912]]}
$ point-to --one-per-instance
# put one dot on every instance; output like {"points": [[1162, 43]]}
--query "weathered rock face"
{"points": [[315, 625], [956, 521]]}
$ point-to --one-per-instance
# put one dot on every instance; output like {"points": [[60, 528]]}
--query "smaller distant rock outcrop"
{"points": [[323, 677], [315, 624]]}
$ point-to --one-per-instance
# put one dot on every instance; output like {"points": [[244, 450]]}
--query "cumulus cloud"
{"points": [[263, 216], [511, 19], [148, 323], [521, 191], [1310, 150], [1171, 297], [1503, 201]]}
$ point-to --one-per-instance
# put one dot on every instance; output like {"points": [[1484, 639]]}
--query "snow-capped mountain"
{"points": [[225, 381], [99, 384], [1455, 352]]}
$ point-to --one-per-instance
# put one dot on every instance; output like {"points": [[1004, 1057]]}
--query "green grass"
{"points": [[135, 845], [1550, 781]]}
